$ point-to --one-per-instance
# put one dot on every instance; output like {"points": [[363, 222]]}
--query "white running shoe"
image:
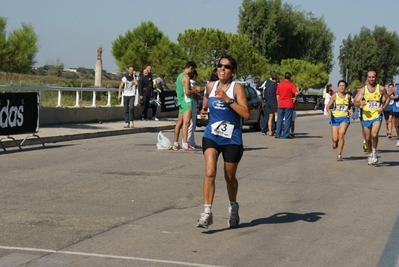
{"points": [[375, 157], [370, 160], [126, 125], [155, 118], [131, 124], [234, 218], [397, 143], [205, 220]]}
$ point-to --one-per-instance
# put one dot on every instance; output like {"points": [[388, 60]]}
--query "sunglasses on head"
{"points": [[227, 67]]}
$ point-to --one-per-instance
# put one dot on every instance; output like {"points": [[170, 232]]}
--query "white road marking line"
{"points": [[107, 256]]}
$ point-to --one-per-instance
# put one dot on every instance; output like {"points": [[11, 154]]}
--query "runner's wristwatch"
{"points": [[231, 101]]}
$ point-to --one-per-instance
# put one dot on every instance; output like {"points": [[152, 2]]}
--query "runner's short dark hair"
{"points": [[191, 64]]}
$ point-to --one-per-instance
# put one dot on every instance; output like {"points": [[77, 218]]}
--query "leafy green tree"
{"points": [[3, 40], [169, 59], [18, 51], [305, 75], [206, 45], [279, 31], [355, 83], [250, 62], [378, 50], [146, 45]]}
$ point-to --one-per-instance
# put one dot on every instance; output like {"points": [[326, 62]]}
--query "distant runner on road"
{"points": [[340, 120], [369, 99]]}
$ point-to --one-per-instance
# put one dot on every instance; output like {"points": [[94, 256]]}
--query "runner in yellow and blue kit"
{"points": [[340, 120], [395, 97], [388, 111], [372, 112]]}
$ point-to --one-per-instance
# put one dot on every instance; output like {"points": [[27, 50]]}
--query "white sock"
{"points": [[207, 208], [176, 143]]}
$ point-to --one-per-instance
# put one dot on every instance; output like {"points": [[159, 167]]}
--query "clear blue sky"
{"points": [[70, 31]]}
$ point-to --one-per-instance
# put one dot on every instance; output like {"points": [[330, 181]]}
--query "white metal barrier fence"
{"points": [[78, 90]]}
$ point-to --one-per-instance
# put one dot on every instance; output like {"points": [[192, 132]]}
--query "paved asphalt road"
{"points": [[117, 201]]}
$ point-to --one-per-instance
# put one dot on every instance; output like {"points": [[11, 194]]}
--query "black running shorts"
{"points": [[230, 153]]}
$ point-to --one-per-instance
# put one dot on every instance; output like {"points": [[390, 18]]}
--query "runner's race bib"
{"points": [[373, 105], [223, 128], [342, 108]]}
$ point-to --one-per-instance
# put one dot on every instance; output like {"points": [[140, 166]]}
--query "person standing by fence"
{"points": [[286, 97], [270, 100], [129, 83], [145, 92]]}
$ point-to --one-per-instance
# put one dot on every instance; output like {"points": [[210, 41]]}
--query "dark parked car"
{"points": [[309, 102], [255, 104]]}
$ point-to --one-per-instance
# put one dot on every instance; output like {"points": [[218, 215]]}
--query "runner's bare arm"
{"points": [[350, 106], [332, 99], [386, 96], [241, 104], [186, 84], [358, 99], [204, 108]]}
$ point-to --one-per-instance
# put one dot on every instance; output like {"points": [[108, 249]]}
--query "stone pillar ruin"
{"points": [[99, 68]]}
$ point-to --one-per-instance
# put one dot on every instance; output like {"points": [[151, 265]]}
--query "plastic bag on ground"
{"points": [[163, 142]]}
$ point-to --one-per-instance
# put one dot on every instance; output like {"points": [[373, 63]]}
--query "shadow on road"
{"points": [[79, 126], [254, 148], [381, 162], [306, 135], [387, 163], [281, 217], [387, 151]]}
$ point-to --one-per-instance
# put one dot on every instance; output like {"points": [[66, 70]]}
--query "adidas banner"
{"points": [[169, 101], [19, 113]]}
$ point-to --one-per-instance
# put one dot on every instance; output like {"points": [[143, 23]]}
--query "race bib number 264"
{"points": [[373, 105]]}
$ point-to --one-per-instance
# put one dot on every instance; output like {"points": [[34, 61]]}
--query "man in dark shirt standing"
{"points": [[270, 108], [145, 92]]}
